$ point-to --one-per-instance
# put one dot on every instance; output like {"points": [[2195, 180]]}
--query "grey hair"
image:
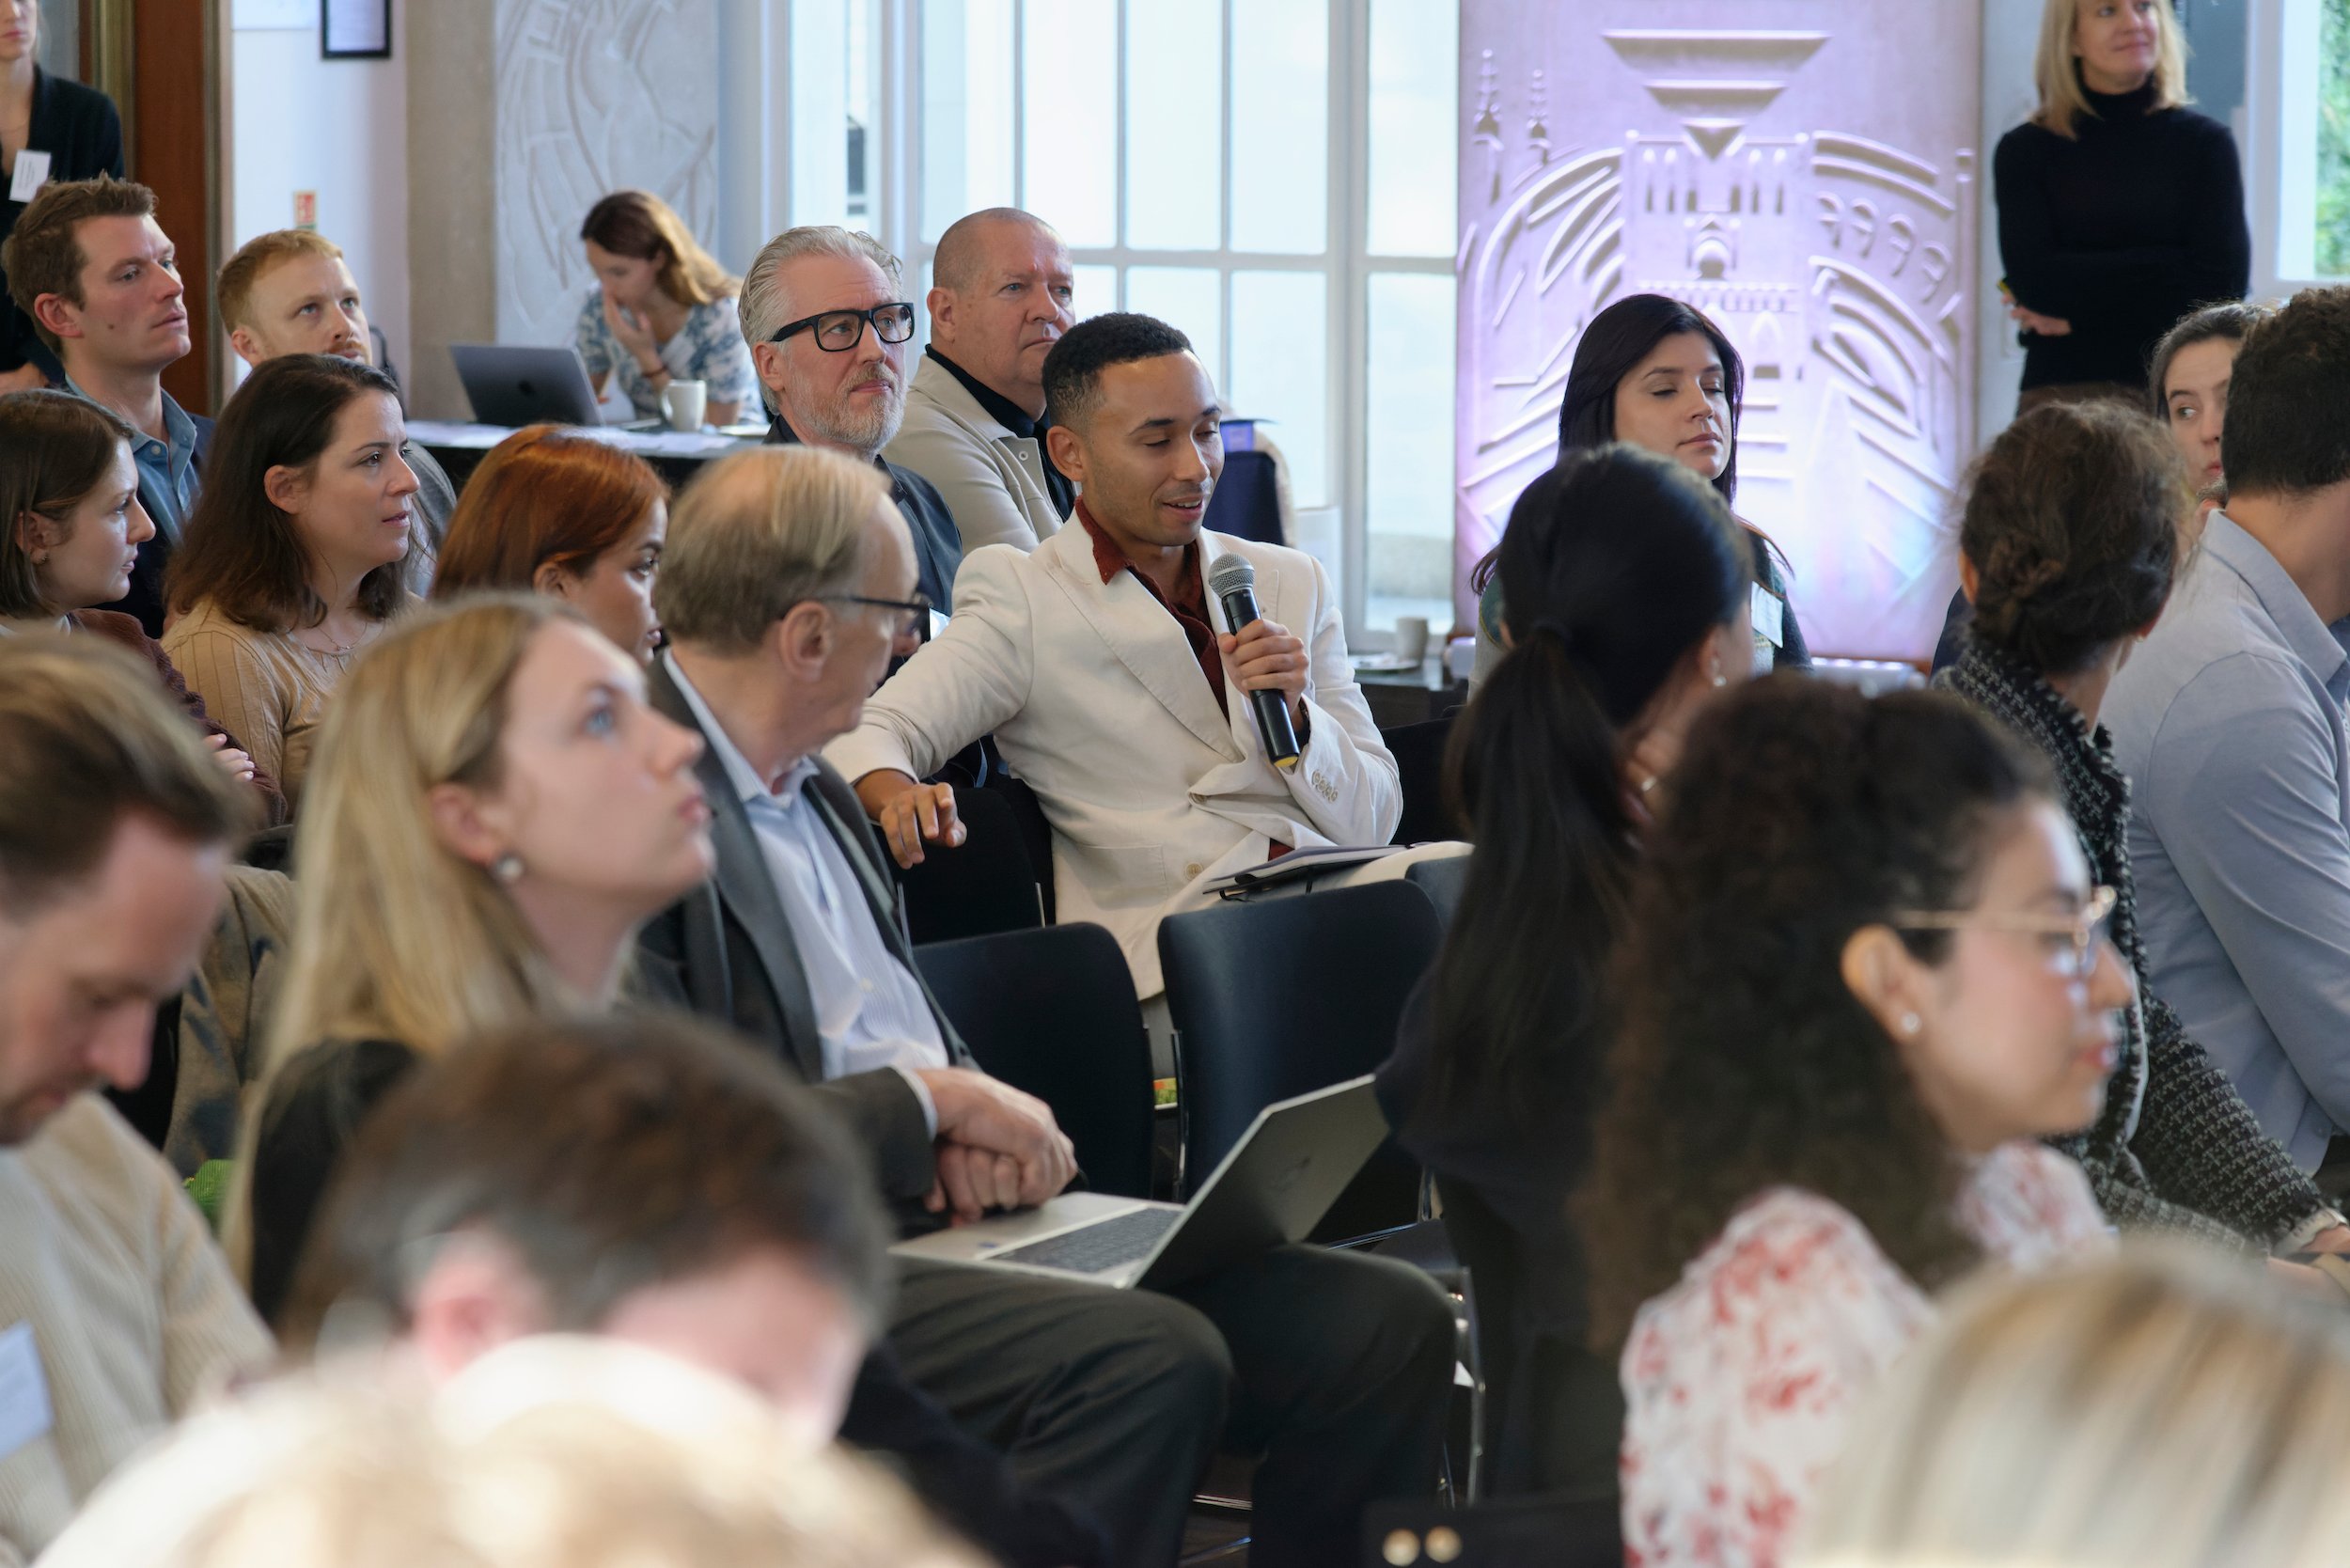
{"points": [[757, 533], [764, 305]]}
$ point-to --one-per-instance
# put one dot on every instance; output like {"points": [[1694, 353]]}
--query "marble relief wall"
{"points": [[1810, 184]]}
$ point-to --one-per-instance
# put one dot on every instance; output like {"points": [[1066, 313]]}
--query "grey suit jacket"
{"points": [[725, 950], [991, 479]]}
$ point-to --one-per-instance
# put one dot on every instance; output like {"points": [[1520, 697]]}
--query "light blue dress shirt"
{"points": [[167, 482], [870, 1010], [2229, 722]]}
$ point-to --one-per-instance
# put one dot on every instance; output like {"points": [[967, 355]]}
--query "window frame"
{"points": [[2283, 75], [1346, 262]]}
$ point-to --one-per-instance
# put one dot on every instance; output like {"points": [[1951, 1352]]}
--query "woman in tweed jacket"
{"points": [[2069, 545]]}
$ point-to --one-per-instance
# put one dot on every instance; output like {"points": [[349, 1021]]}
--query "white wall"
{"points": [[297, 122]]}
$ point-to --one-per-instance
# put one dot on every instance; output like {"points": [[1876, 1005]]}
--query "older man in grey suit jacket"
{"points": [[785, 586], [1004, 294]]}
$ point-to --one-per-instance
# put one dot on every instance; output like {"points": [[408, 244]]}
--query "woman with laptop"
{"points": [[661, 312]]}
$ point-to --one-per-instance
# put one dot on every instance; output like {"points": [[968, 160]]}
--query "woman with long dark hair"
{"points": [[296, 554], [1658, 374], [1865, 974], [1627, 583]]}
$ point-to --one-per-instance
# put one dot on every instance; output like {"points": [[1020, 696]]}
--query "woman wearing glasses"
{"points": [[662, 310], [2068, 546], [1866, 973]]}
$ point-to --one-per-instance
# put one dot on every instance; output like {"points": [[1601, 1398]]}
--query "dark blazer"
{"points": [[937, 542], [143, 604], [79, 128], [727, 951], [123, 630]]}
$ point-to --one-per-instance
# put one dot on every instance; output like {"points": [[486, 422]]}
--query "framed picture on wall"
{"points": [[355, 29]]}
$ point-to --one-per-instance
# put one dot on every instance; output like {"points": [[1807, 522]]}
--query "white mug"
{"points": [[684, 402], [1410, 637]]}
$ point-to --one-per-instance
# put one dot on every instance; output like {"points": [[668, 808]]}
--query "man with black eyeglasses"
{"points": [[823, 311]]}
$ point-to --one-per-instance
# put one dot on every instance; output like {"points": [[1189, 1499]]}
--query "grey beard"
{"points": [[842, 427]]}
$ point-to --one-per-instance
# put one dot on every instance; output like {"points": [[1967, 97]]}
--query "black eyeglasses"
{"points": [[839, 331], [916, 610]]}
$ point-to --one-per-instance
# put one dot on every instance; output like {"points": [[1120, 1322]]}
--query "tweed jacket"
{"points": [[2176, 1148]]}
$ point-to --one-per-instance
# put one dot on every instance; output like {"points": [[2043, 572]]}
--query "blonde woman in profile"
{"points": [[2160, 1409], [493, 811], [550, 1453]]}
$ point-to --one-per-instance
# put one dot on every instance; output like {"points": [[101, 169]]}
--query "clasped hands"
{"points": [[998, 1147], [1263, 656]]}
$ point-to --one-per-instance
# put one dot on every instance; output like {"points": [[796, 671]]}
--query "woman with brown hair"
{"points": [[1866, 973], [562, 514], [295, 555], [663, 310], [69, 495]]}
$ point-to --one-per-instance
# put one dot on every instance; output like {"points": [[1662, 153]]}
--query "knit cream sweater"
{"points": [[132, 1310]]}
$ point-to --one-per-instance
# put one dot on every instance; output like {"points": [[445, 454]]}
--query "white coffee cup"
{"points": [[1410, 637], [684, 402]]}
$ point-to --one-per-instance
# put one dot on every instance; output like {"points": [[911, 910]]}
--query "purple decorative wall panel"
{"points": [[1802, 170]]}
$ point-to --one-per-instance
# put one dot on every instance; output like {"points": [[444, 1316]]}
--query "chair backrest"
{"points": [[982, 886], [1279, 997], [1443, 880], [1419, 751], [1036, 833], [1053, 1011]]}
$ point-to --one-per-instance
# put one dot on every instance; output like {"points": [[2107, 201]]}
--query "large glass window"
{"points": [[1273, 177], [2333, 141]]}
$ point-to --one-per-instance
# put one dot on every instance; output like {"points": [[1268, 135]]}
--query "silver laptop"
{"points": [[511, 385], [1274, 1186]]}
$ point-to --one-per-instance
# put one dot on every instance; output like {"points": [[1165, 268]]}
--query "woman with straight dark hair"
{"points": [[1864, 973], [1658, 374], [2069, 543], [555, 513], [295, 555], [1627, 583], [71, 527], [2187, 383]]}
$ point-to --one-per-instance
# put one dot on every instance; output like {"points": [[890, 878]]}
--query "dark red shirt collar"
{"points": [[1188, 605]]}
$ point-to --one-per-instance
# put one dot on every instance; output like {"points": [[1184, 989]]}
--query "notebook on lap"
{"points": [[1275, 1184]]}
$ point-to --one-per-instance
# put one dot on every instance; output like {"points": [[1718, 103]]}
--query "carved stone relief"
{"points": [[593, 95], [1810, 187]]}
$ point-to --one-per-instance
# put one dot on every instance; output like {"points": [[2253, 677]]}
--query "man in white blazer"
{"points": [[1110, 680], [1004, 294]]}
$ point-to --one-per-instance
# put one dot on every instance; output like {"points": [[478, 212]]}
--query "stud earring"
{"points": [[41, 558], [1911, 1023], [1720, 679], [508, 868]]}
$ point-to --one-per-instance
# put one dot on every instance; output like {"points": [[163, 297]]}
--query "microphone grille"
{"points": [[1229, 574]]}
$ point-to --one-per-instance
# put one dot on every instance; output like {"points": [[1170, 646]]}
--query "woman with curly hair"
{"points": [[1627, 585], [1864, 973], [2068, 546]]}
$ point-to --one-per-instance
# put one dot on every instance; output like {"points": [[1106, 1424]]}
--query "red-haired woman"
{"points": [[549, 511]]}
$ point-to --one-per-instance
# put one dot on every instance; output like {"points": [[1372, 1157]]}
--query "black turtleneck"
{"points": [[1017, 420], [2121, 230]]}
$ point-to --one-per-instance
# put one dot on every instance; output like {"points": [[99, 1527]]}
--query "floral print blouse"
{"points": [[708, 347], [1738, 1381]]}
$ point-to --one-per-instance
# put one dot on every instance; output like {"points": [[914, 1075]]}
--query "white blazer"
{"points": [[1095, 699], [992, 481]]}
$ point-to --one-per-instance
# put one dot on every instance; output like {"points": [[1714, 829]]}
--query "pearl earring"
{"points": [[1911, 1023], [508, 868]]}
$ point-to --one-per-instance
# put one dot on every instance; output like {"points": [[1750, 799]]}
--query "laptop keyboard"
{"points": [[1092, 1248]]}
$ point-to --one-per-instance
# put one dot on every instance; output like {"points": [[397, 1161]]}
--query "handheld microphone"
{"points": [[1233, 582]]}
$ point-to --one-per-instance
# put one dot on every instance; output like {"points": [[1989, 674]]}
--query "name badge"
{"points": [[32, 173], [25, 1412], [1769, 616]]}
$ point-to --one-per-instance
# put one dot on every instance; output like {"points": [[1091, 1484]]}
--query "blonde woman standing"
{"points": [[493, 811], [2120, 210], [2155, 1410], [663, 309]]}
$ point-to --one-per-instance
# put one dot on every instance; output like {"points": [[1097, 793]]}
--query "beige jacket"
{"points": [[992, 481]]}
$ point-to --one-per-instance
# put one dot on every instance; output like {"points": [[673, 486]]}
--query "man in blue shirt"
{"points": [[100, 280], [2229, 724]]}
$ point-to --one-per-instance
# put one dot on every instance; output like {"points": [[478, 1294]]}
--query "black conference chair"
{"points": [[981, 888], [1036, 833], [1520, 1532], [1418, 750], [1053, 1011], [1443, 881], [1276, 998]]}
